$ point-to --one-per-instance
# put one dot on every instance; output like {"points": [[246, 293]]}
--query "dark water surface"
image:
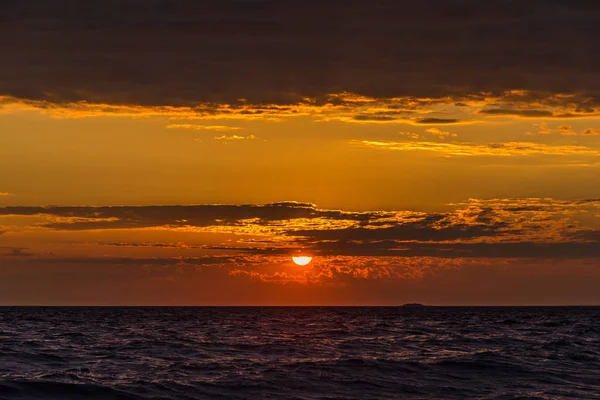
{"points": [[300, 353]]}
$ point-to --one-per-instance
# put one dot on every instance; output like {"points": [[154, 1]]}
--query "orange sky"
{"points": [[189, 171]]}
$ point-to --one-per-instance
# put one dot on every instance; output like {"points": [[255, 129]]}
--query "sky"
{"points": [[176, 152]]}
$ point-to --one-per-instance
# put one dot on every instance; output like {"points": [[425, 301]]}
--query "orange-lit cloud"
{"points": [[440, 133], [219, 128], [477, 228], [591, 132], [342, 107], [564, 130], [234, 137], [491, 149]]}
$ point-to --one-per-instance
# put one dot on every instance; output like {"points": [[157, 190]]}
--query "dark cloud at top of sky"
{"points": [[183, 52]]}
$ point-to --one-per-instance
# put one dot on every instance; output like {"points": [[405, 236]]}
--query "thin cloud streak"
{"points": [[218, 128], [471, 149]]}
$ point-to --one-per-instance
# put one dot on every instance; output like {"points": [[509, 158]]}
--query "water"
{"points": [[300, 353]]}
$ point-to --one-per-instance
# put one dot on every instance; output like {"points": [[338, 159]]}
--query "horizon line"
{"points": [[405, 305]]}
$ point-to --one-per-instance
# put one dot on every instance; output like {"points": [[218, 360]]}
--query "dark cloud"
{"points": [[420, 230], [178, 52], [374, 117], [183, 246], [521, 113], [437, 121], [122, 217], [454, 250], [138, 261], [157, 245]]}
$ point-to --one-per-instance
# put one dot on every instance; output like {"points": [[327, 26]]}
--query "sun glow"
{"points": [[302, 260]]}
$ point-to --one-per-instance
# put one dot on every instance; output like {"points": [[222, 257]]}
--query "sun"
{"points": [[302, 260]]}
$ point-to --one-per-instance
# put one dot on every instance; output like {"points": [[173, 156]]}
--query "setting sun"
{"points": [[302, 260]]}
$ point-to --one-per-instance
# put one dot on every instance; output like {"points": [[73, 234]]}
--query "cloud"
{"points": [[564, 130], [232, 248], [182, 54], [439, 133], [412, 135], [337, 270], [141, 261], [492, 149], [338, 107], [520, 113], [234, 137], [495, 228], [178, 245], [543, 129], [437, 121], [219, 128], [591, 132], [5, 194], [375, 118], [126, 217]]}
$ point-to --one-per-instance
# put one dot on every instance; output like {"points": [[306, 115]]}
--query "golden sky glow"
{"points": [[196, 180]]}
